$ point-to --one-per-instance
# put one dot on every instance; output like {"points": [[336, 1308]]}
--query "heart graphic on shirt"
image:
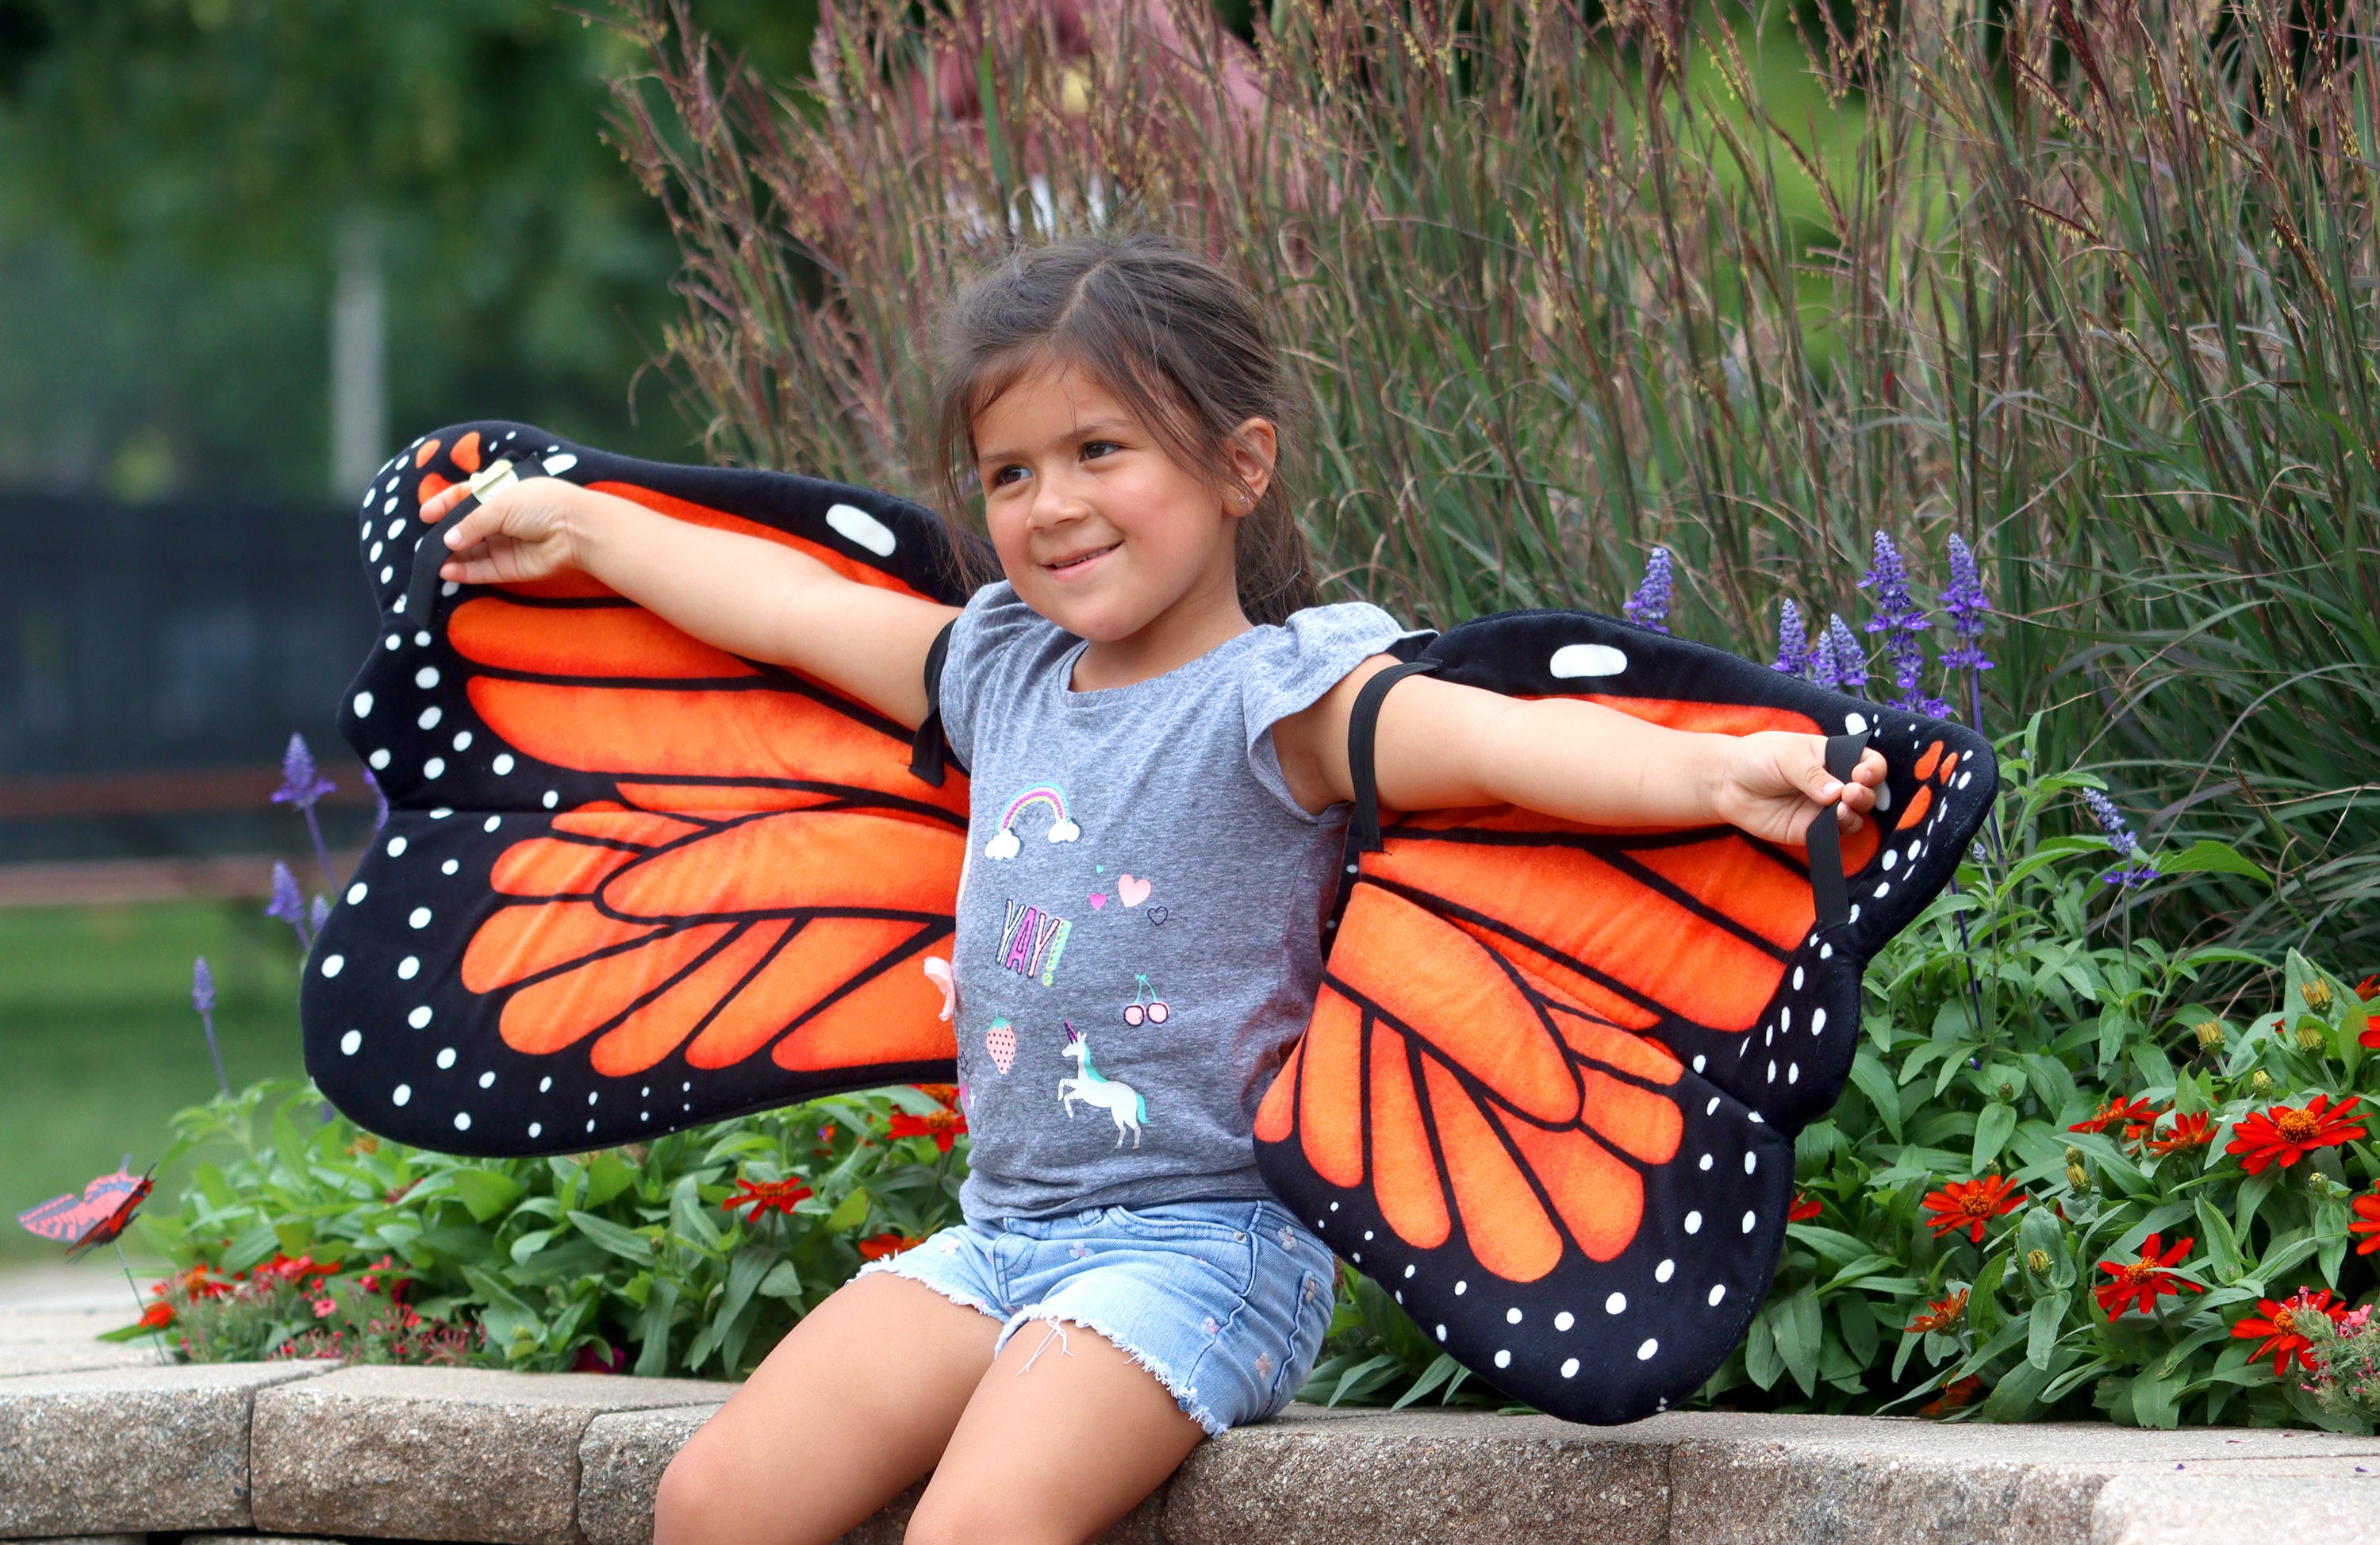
{"points": [[1000, 1042], [1157, 915], [1133, 892], [1100, 899]]}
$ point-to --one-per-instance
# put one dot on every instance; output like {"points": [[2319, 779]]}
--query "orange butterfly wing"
{"points": [[1548, 1094], [629, 882]]}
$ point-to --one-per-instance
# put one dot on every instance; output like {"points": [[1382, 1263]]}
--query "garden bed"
{"points": [[99, 1439]]}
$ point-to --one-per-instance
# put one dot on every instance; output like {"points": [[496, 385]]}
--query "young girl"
{"points": [[1153, 719]]}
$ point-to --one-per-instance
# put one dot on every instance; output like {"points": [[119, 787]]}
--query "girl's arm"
{"points": [[1441, 745], [746, 595]]}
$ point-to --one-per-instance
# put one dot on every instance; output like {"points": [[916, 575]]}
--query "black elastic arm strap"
{"points": [[1363, 721], [1363, 824], [1828, 885], [421, 588], [926, 750]]}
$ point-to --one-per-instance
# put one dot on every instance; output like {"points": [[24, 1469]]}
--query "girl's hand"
{"points": [[526, 530], [1774, 782]]}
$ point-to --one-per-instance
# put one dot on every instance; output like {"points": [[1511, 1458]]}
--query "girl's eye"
{"points": [[1093, 447], [999, 478]]}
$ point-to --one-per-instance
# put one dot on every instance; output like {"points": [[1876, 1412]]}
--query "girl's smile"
{"points": [[1103, 532]]}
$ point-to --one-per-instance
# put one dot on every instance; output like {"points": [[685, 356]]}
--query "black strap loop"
{"points": [[421, 588], [1364, 823], [928, 751], [1829, 886], [1363, 720]]}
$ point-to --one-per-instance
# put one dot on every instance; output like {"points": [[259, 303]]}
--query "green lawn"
{"points": [[102, 1045]]}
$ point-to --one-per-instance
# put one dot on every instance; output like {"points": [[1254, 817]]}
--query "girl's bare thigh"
{"points": [[1064, 1435], [856, 1403]]}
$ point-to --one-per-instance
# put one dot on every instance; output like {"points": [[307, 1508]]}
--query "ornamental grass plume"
{"points": [[1793, 652], [2120, 837], [302, 785], [1902, 622], [202, 998], [1649, 607], [288, 905]]}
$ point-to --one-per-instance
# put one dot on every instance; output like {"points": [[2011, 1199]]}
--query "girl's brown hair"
{"points": [[1176, 339]]}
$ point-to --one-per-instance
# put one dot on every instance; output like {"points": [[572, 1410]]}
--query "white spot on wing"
{"points": [[1854, 722], [557, 465], [860, 529], [1571, 661]]}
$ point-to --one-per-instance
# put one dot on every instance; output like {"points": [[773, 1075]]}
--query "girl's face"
{"points": [[1097, 528]]}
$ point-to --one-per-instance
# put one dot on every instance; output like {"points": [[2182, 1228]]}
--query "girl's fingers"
{"points": [[434, 509]]}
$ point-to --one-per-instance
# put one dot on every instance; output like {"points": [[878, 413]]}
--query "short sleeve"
{"points": [[1291, 671], [980, 661]]}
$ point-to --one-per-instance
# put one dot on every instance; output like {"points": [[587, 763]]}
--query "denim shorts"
{"points": [[1225, 1302]]}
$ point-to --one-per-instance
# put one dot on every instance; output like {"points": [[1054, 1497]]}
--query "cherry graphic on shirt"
{"points": [[1146, 1004]]}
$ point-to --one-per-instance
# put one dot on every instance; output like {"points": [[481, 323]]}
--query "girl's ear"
{"points": [[1250, 450]]}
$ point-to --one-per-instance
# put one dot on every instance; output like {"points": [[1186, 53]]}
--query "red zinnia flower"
{"points": [[762, 1196], [944, 1095], [2369, 987], [2134, 1115], [1954, 1395], [2366, 1222], [2195, 1130], [1942, 1315], [2284, 1134], [2141, 1281], [1805, 1206], [157, 1315], [1970, 1204], [942, 1126], [885, 1244], [2278, 1326]]}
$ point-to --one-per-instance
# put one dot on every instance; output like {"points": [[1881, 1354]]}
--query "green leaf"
{"points": [[1992, 1130], [2208, 857], [485, 1194], [782, 1282], [626, 1244], [850, 1212], [1878, 1085], [2047, 1319]]}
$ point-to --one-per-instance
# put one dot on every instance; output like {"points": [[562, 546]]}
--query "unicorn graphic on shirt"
{"points": [[1121, 1099]]}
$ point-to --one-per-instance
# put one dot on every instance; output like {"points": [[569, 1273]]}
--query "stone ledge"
{"points": [[365, 1454], [438, 1454], [126, 1451]]}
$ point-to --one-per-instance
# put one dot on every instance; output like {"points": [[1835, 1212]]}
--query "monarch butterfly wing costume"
{"points": [[628, 883], [1549, 1091]]}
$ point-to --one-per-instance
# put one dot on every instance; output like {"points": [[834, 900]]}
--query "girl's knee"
{"points": [[697, 1500]]}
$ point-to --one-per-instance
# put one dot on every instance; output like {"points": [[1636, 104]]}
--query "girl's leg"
{"points": [[1063, 1437], [855, 1404]]}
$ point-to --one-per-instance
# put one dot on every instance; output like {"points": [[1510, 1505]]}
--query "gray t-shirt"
{"points": [[1139, 915]]}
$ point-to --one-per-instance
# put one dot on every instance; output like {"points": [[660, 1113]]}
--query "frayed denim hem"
{"points": [[892, 1264], [1183, 1396]]}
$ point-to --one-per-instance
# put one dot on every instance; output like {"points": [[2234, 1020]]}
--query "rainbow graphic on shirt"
{"points": [[1004, 844]]}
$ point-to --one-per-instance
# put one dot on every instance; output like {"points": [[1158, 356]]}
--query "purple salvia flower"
{"points": [[1967, 606], [1649, 607], [202, 998], [1821, 668], [1848, 670], [379, 798], [302, 785], [288, 904], [1902, 622], [322, 913], [1793, 642], [2120, 837]]}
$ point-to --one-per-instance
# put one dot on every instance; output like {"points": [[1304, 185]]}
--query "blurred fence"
{"points": [[154, 660]]}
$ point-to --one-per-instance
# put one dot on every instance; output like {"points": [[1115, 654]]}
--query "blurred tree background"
{"points": [[177, 177]]}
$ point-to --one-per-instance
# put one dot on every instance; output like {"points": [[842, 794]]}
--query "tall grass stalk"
{"points": [[2092, 286]]}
